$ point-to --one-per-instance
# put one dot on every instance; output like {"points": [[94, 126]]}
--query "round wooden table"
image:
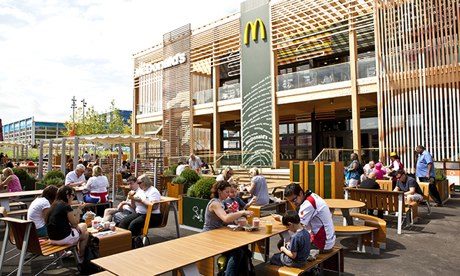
{"points": [[344, 205]]}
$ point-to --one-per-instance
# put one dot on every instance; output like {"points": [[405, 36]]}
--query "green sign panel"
{"points": [[256, 111]]}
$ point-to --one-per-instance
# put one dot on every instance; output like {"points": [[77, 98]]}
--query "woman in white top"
{"points": [[39, 208], [97, 187], [135, 222], [226, 175]]}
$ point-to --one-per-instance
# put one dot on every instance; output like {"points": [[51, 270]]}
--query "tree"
{"points": [[95, 123]]}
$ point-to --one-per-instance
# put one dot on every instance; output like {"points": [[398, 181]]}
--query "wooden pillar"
{"points": [[40, 160], [275, 115], [355, 107], [63, 157], [215, 116], [75, 152], [120, 155], [50, 155]]}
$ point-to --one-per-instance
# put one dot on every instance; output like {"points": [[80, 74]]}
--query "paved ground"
{"points": [[428, 248]]}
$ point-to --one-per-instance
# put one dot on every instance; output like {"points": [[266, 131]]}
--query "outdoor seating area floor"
{"points": [[429, 247]]}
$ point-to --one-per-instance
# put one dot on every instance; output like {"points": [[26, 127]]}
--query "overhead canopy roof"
{"points": [[10, 144], [111, 139]]}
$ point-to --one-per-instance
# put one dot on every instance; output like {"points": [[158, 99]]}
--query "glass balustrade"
{"points": [[202, 97], [325, 75], [147, 109], [228, 92]]}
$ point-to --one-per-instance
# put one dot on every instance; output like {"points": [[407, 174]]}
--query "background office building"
{"points": [[29, 131], [283, 80]]}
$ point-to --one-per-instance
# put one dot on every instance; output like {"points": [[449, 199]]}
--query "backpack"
{"points": [[360, 169], [91, 253]]}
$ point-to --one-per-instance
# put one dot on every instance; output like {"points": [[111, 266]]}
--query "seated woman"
{"points": [[135, 222], [216, 217], [97, 187], [10, 181], [226, 175], [258, 187], [62, 222], [38, 209]]}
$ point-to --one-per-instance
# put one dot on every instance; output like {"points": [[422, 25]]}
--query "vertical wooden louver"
{"points": [[419, 78], [176, 94]]}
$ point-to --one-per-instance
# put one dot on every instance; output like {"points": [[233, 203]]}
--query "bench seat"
{"points": [[332, 260], [380, 234], [360, 231]]}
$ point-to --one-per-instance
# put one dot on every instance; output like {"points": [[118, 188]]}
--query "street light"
{"points": [[84, 105], [73, 106]]}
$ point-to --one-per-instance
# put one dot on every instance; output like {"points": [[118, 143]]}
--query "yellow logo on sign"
{"points": [[254, 29]]}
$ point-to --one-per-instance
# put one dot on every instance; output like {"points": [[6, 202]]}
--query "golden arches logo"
{"points": [[253, 29]]}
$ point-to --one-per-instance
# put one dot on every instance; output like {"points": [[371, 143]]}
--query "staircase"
{"points": [[273, 176]]}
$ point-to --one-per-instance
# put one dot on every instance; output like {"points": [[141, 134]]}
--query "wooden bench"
{"points": [[357, 230], [332, 261], [386, 185], [18, 204], [265, 210], [26, 240], [380, 235], [392, 202]]}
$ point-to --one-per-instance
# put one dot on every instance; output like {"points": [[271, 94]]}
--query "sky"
{"points": [[52, 50]]}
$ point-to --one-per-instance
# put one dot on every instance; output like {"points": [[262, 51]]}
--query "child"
{"points": [[233, 203], [294, 253]]}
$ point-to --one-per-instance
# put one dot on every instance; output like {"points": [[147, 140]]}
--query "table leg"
{"points": [[346, 217], [5, 202], [267, 249], [174, 206]]}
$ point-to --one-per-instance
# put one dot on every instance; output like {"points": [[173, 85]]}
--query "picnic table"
{"points": [[184, 252], [344, 205], [5, 197]]}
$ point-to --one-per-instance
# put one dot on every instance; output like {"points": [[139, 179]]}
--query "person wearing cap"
{"points": [[425, 172], [379, 171], [408, 185]]}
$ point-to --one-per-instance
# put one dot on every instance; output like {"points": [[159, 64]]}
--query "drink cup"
{"points": [[256, 222], [112, 226], [242, 221], [106, 225], [268, 227], [95, 224]]}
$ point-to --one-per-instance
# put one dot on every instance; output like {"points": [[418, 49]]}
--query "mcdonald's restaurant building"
{"points": [[283, 80]]}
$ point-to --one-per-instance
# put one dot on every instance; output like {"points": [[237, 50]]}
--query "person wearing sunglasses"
{"points": [[63, 224], [408, 185], [314, 215]]}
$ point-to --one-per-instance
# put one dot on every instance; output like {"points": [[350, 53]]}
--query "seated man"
{"points": [[314, 215], [408, 185], [370, 183], [76, 177]]}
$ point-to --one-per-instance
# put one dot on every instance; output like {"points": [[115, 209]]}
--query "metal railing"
{"points": [[228, 92], [325, 75], [147, 109], [202, 97], [336, 155]]}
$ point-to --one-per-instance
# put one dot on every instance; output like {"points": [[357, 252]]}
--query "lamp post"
{"points": [[73, 106], [84, 105]]}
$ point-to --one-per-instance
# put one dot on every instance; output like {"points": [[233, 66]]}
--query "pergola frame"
{"points": [[20, 151]]}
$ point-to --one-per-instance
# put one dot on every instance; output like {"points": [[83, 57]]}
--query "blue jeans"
{"points": [[234, 259], [42, 232]]}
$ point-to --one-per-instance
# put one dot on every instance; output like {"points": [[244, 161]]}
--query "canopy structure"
{"points": [[20, 151]]}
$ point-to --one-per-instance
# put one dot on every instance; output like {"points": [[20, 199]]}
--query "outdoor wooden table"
{"points": [[344, 205], [183, 252], [173, 204], [5, 197], [112, 242]]}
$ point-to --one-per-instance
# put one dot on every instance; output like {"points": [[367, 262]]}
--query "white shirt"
{"points": [[97, 184], [316, 218], [194, 164], [140, 207], [35, 212], [72, 177], [180, 169], [152, 195], [86, 157], [395, 166]]}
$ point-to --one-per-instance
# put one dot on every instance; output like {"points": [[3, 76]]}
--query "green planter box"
{"points": [[193, 210]]}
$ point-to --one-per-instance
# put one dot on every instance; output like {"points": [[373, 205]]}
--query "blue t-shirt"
{"points": [[234, 204], [422, 164], [300, 243]]}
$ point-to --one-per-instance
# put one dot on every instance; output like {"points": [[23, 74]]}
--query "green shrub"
{"points": [[191, 176], [168, 172], [178, 180], [173, 168], [202, 188], [54, 181], [54, 174], [27, 181], [439, 174]]}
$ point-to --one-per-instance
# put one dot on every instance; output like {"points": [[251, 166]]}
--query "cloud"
{"points": [[52, 50]]}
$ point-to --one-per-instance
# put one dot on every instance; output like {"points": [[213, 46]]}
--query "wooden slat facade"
{"points": [[419, 78]]}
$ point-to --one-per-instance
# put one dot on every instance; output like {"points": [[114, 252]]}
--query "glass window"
{"points": [[304, 127], [283, 129]]}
